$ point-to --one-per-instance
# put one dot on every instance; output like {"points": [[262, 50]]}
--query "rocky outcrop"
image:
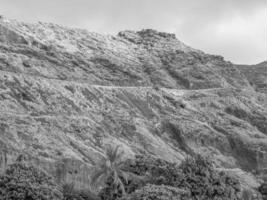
{"points": [[66, 93]]}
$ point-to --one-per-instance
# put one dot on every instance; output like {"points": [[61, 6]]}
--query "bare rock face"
{"points": [[66, 93]]}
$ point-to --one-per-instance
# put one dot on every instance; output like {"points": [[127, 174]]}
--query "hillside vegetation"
{"points": [[65, 94]]}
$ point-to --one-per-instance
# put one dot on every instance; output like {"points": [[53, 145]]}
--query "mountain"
{"points": [[66, 93], [257, 75]]}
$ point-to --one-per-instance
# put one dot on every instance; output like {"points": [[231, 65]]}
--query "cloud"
{"points": [[239, 36], [232, 28]]}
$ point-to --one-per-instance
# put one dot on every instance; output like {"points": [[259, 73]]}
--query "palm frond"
{"points": [[125, 176], [97, 175], [121, 185], [116, 177], [119, 156], [111, 166], [112, 153], [120, 163], [68, 188]]}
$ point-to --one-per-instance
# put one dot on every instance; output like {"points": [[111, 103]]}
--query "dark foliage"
{"points": [[154, 170], [22, 182], [110, 168], [206, 183], [263, 188], [195, 175], [113, 191], [70, 193], [141, 171], [158, 192]]}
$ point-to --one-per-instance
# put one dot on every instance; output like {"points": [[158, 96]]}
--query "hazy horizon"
{"points": [[235, 29]]}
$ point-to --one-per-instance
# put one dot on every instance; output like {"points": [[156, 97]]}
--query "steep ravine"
{"points": [[66, 93]]}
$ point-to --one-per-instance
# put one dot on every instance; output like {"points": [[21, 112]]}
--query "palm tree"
{"points": [[111, 166]]}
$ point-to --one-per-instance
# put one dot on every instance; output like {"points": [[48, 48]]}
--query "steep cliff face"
{"points": [[66, 93]]}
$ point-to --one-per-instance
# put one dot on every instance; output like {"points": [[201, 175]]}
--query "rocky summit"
{"points": [[66, 93]]}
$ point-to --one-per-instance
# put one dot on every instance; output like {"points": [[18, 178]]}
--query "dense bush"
{"points": [[205, 182], [70, 193], [22, 182], [141, 171], [248, 194], [156, 171], [263, 188], [158, 192], [196, 175], [112, 191]]}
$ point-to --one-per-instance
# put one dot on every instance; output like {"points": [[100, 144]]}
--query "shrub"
{"points": [[156, 171], [263, 188], [112, 191], [22, 182], [205, 182], [195, 174], [247, 194], [141, 171], [158, 192], [70, 193]]}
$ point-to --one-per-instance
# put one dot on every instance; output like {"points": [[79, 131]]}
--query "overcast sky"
{"points": [[236, 29]]}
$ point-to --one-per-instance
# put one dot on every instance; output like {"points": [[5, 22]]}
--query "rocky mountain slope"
{"points": [[66, 93], [257, 75]]}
